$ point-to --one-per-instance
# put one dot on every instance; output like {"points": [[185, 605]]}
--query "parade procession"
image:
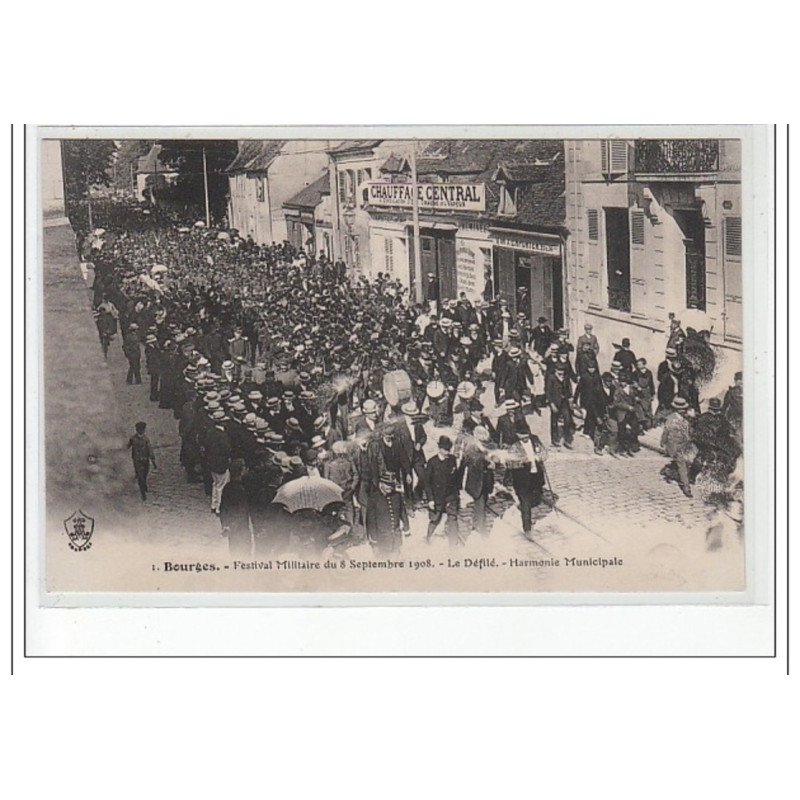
{"points": [[400, 369]]}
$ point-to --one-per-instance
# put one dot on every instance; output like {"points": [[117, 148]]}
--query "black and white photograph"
{"points": [[463, 365]]}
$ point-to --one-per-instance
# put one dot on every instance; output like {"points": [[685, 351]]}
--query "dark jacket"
{"points": [[412, 447], [217, 450], [479, 475], [589, 393], [443, 479], [234, 509]]}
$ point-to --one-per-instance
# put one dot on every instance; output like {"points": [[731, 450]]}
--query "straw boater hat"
{"points": [[317, 442], [410, 408], [680, 403]]}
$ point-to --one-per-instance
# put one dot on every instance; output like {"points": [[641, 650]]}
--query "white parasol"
{"points": [[308, 492]]}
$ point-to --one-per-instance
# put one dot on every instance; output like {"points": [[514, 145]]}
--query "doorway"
{"points": [[694, 241], [437, 251]]}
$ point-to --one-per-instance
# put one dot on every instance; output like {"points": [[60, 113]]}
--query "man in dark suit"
{"points": [[541, 336], [517, 375], [411, 435], [443, 484], [590, 396], [507, 423], [558, 392], [217, 452], [499, 365], [478, 478], [528, 478]]}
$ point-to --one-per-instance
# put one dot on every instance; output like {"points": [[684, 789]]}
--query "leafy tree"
{"points": [[87, 162], [186, 157]]}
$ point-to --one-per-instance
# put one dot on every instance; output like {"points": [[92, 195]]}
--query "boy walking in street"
{"points": [[143, 456]]}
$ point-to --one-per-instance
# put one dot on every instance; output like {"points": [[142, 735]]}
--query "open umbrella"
{"points": [[308, 492]]}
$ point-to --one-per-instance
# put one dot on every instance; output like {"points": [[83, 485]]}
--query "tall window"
{"points": [[618, 259]]}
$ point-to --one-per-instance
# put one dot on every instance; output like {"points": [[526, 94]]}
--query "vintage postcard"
{"points": [[505, 364]]}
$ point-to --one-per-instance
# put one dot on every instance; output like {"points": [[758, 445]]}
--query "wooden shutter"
{"points": [[388, 254], [733, 237], [604, 156], [507, 282], [638, 265], [593, 224], [342, 175], [618, 157]]}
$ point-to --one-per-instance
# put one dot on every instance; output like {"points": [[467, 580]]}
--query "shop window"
{"points": [[593, 224], [733, 237], [613, 157]]}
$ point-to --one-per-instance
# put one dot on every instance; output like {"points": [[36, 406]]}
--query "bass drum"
{"points": [[397, 387]]}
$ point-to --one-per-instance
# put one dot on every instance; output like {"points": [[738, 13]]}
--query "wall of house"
{"points": [[658, 273], [248, 214], [52, 176], [299, 164], [388, 247], [350, 219]]}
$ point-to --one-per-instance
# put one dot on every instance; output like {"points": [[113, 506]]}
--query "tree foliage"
{"points": [[186, 157], [87, 162]]}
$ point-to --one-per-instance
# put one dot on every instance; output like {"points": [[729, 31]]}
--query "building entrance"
{"points": [[532, 284]]}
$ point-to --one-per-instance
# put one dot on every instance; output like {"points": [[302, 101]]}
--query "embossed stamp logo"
{"points": [[79, 528]]}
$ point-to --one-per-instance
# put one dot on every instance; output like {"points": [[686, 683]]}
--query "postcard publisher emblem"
{"points": [[79, 528]]}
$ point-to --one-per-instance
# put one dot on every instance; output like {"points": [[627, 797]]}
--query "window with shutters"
{"points": [[342, 187], [388, 254], [593, 224], [733, 237], [614, 157]]}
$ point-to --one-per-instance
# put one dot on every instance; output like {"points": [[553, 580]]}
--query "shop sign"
{"points": [[528, 243], [437, 196]]}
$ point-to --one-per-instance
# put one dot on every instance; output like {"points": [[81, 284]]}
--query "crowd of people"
{"points": [[276, 364]]}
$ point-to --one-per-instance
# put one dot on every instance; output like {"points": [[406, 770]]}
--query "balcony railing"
{"points": [[676, 156], [619, 298]]}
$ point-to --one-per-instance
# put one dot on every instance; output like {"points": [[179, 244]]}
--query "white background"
{"points": [[206, 728]]}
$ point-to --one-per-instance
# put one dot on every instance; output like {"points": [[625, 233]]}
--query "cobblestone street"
{"points": [[606, 507]]}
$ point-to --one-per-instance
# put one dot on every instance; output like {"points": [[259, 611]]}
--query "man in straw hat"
{"points": [[410, 432], [676, 440]]}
